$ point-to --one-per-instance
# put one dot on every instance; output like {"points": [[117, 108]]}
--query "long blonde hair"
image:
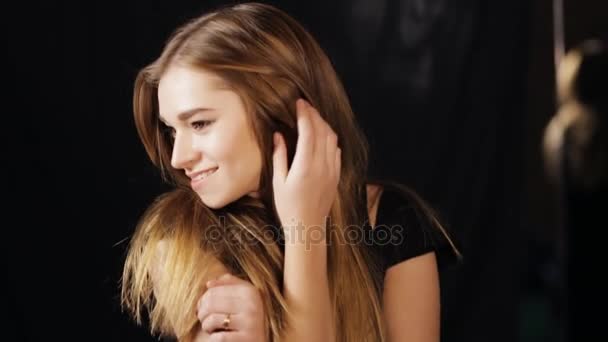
{"points": [[270, 61]]}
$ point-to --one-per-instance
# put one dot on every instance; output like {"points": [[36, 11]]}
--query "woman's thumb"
{"points": [[279, 160]]}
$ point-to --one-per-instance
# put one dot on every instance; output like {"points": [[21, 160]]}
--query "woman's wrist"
{"points": [[310, 233]]}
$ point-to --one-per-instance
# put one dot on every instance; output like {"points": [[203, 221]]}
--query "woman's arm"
{"points": [[306, 289], [303, 197], [411, 300]]}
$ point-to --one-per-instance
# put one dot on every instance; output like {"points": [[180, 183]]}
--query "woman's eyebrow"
{"points": [[183, 116]]}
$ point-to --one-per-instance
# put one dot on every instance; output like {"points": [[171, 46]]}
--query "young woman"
{"points": [[273, 231]]}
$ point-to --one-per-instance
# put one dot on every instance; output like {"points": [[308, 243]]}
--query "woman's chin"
{"points": [[213, 202], [217, 201]]}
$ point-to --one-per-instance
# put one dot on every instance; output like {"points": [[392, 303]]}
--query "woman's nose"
{"points": [[184, 155]]}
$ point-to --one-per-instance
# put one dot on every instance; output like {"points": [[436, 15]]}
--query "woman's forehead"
{"points": [[182, 74], [182, 90]]}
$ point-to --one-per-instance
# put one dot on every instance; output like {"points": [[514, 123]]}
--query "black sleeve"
{"points": [[405, 230]]}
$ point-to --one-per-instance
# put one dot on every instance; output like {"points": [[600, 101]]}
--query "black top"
{"points": [[403, 231]]}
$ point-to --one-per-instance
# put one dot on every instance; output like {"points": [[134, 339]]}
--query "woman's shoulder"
{"points": [[405, 226]]}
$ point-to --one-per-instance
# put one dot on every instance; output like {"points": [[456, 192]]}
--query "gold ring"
{"points": [[226, 322]]}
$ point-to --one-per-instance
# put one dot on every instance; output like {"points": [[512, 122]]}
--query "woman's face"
{"points": [[213, 141]]}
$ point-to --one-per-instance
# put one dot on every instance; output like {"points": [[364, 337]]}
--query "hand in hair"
{"points": [[239, 298], [305, 193]]}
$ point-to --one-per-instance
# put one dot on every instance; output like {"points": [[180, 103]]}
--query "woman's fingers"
{"points": [[225, 279], [330, 153], [279, 160], [326, 141], [316, 146], [216, 321], [221, 299], [225, 295], [310, 186], [306, 139], [320, 131]]}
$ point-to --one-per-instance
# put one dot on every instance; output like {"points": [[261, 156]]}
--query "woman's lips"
{"points": [[200, 179]]}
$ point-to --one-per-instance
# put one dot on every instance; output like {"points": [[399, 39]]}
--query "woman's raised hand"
{"points": [[304, 194]]}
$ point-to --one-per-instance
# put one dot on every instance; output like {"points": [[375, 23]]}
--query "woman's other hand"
{"points": [[231, 310]]}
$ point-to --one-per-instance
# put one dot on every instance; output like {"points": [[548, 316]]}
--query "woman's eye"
{"points": [[198, 125]]}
